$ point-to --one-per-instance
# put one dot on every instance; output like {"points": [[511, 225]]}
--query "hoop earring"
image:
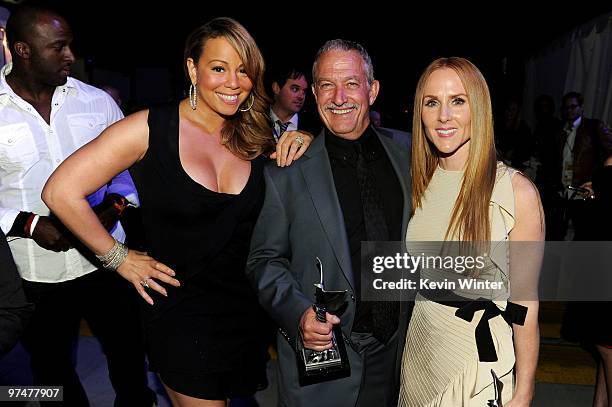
{"points": [[250, 106], [193, 97]]}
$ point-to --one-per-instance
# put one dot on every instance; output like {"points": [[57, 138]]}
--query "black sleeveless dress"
{"points": [[209, 337]]}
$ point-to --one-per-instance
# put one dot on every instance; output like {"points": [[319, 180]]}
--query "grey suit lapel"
{"points": [[320, 182], [401, 164]]}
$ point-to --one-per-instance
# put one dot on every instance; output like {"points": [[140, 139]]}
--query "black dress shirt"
{"points": [[343, 158]]}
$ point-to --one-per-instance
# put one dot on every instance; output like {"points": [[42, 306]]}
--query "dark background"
{"points": [[143, 41]]}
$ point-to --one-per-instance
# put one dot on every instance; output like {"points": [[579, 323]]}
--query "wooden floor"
{"points": [[561, 361]]}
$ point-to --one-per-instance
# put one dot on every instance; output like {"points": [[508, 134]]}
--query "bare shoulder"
{"points": [[525, 191], [128, 137], [528, 209], [136, 121]]}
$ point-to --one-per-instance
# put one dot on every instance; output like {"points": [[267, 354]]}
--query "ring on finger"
{"points": [[299, 140], [145, 283]]}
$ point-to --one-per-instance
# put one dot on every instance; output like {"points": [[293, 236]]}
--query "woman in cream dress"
{"points": [[461, 193]]}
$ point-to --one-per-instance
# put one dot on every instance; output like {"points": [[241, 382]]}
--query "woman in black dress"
{"points": [[197, 166]]}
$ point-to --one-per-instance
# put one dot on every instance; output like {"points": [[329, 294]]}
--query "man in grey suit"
{"points": [[324, 206]]}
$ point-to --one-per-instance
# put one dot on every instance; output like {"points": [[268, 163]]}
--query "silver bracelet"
{"points": [[114, 257]]}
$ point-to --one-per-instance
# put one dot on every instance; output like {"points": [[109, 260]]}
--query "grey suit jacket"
{"points": [[402, 137], [301, 219]]}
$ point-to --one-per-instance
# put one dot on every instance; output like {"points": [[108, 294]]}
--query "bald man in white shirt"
{"points": [[45, 116]]}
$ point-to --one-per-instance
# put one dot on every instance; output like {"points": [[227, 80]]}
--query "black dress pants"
{"points": [[109, 305], [379, 381]]}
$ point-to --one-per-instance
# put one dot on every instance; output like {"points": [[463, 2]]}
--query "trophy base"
{"points": [[317, 367]]}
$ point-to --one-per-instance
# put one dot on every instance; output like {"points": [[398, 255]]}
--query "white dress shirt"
{"points": [[567, 174], [31, 149], [293, 124]]}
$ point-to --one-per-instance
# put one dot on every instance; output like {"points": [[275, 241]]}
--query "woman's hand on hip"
{"points": [[144, 272]]}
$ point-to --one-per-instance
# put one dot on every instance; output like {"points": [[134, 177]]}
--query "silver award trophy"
{"points": [[497, 387], [330, 364]]}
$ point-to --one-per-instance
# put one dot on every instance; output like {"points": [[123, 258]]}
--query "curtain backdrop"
{"points": [[580, 61]]}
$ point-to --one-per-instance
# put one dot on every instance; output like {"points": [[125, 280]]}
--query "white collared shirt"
{"points": [[293, 124], [567, 174], [31, 149]]}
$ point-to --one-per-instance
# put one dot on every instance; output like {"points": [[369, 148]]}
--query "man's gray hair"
{"points": [[345, 45]]}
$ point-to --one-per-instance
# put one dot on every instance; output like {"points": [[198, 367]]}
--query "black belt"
{"points": [[466, 308]]}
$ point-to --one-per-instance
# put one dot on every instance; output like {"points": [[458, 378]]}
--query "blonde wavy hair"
{"points": [[470, 217], [246, 134]]}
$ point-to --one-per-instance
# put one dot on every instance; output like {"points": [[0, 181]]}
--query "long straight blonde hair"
{"points": [[470, 217]]}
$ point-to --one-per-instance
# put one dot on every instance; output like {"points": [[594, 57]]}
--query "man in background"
{"points": [[289, 87]]}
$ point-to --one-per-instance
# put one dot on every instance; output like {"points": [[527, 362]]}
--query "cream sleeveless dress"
{"points": [[440, 365]]}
